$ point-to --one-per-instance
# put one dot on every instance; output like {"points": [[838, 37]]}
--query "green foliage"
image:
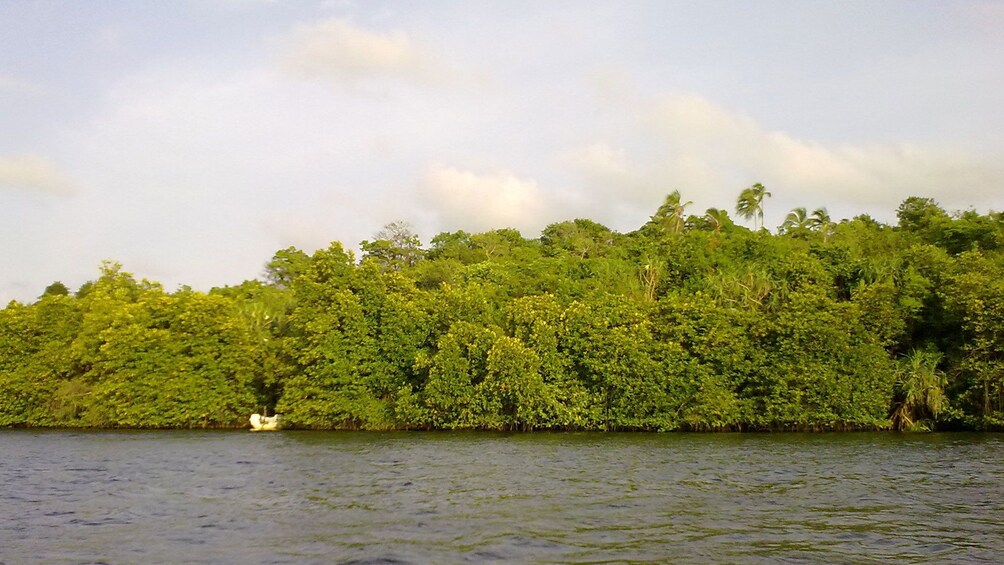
{"points": [[285, 266], [796, 223], [669, 219], [919, 394], [178, 360], [55, 289], [713, 220], [632, 377], [580, 239], [393, 248], [922, 216], [750, 203], [685, 324], [35, 359], [974, 295]]}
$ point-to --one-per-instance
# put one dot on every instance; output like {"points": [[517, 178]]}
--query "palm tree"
{"points": [[746, 205], [750, 203], [919, 393], [670, 214], [717, 218], [797, 220], [820, 217], [821, 222]]}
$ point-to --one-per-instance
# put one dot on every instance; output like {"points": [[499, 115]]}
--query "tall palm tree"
{"points": [[746, 205], [670, 214], [797, 220], [750, 203], [821, 222]]}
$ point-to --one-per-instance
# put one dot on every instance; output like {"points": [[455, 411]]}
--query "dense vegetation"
{"points": [[690, 322]]}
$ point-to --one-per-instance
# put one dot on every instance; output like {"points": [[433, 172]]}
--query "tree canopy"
{"points": [[688, 323]]}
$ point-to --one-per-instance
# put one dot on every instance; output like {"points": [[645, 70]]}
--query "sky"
{"points": [[191, 140]]}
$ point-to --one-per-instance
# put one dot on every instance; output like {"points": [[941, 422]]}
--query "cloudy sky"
{"points": [[190, 140]]}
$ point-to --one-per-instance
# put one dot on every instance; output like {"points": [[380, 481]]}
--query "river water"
{"points": [[310, 497]]}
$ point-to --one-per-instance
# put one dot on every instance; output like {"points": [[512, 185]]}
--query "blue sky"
{"points": [[191, 140]]}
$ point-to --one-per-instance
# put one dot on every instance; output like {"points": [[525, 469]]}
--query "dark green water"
{"points": [[295, 497]]}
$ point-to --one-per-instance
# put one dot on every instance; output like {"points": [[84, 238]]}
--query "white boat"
{"points": [[261, 423]]}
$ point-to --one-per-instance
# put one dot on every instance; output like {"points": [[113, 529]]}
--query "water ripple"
{"points": [[209, 497]]}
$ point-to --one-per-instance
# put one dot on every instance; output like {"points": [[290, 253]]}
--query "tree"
{"points": [[582, 238], [341, 380], [455, 246], [394, 247], [695, 325], [540, 323], [921, 215], [750, 203], [919, 391], [55, 289], [670, 216], [506, 243], [717, 219], [796, 222], [821, 223], [970, 230], [974, 300], [285, 266], [37, 367], [481, 378]]}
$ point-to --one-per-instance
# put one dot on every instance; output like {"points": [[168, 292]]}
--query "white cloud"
{"points": [[209, 157], [479, 202], [607, 171], [600, 160], [337, 49], [715, 151], [615, 189], [710, 153], [246, 162], [33, 173]]}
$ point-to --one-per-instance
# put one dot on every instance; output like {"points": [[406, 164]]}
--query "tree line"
{"points": [[690, 322]]}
